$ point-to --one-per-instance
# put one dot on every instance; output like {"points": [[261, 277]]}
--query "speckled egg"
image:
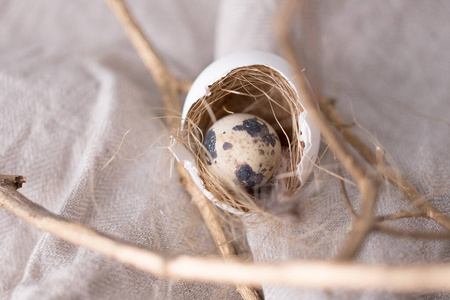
{"points": [[242, 149]]}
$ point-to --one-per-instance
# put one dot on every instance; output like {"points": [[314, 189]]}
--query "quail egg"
{"points": [[242, 149]]}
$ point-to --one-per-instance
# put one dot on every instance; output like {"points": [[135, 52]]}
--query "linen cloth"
{"points": [[71, 86]]}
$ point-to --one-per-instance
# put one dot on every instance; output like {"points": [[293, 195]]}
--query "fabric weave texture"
{"points": [[71, 85]]}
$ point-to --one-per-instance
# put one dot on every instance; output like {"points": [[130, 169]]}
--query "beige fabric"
{"points": [[71, 86]]}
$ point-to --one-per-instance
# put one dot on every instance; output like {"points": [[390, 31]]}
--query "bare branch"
{"points": [[14, 180], [354, 167], [412, 234], [362, 225], [344, 194], [401, 215], [396, 179], [169, 85], [367, 183], [316, 274], [212, 222]]}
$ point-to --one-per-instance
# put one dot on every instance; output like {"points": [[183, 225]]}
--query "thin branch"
{"points": [[212, 222], [307, 274], [354, 167], [367, 183], [362, 225], [401, 215], [170, 88], [412, 234], [169, 85], [396, 179], [13, 180], [344, 194]]}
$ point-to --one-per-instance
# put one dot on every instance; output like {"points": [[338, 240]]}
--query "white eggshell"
{"points": [[242, 150], [220, 68]]}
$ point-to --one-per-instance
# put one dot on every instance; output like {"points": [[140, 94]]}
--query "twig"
{"points": [[362, 225], [13, 180], [355, 168], [412, 234], [401, 215], [367, 183], [344, 194], [169, 85], [170, 88], [396, 179], [212, 222], [307, 274]]}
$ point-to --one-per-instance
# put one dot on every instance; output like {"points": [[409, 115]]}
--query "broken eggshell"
{"points": [[219, 69]]}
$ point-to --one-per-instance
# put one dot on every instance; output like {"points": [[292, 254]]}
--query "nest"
{"points": [[257, 90]]}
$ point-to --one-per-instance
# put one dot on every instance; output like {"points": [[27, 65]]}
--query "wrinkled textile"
{"points": [[71, 86]]}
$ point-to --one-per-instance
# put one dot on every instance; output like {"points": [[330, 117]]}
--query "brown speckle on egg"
{"points": [[210, 145], [227, 146], [248, 177]]}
